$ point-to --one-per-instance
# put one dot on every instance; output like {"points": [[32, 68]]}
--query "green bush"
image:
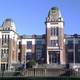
{"points": [[31, 63]]}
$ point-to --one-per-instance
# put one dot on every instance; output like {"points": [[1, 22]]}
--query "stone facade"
{"points": [[8, 47], [49, 48], [55, 37]]}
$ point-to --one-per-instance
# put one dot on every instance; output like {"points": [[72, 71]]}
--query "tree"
{"points": [[31, 63]]}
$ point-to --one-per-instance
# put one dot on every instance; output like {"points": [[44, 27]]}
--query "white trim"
{"points": [[60, 25], [24, 41], [53, 38]]}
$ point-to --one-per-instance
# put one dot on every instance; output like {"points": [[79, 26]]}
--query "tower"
{"points": [[55, 37], [8, 44]]}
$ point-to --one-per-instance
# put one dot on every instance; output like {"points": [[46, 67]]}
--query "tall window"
{"points": [[70, 57], [7, 51], [4, 54], [2, 39], [5, 39], [39, 48], [4, 50], [70, 44], [8, 39], [29, 44], [19, 44], [55, 31], [28, 56], [78, 57], [38, 56], [2, 67], [78, 44], [54, 43]]}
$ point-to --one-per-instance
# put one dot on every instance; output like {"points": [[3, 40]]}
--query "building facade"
{"points": [[32, 48], [8, 45], [72, 48], [55, 37], [53, 47]]}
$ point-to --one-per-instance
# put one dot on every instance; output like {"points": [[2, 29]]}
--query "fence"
{"points": [[41, 72]]}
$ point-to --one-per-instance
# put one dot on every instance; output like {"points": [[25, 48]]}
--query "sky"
{"points": [[30, 15]]}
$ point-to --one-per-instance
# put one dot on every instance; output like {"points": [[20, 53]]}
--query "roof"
{"points": [[54, 8]]}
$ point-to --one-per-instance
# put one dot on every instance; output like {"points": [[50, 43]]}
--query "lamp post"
{"points": [[74, 54], [74, 50]]}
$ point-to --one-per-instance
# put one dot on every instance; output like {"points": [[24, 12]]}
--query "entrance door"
{"points": [[2, 67], [54, 57]]}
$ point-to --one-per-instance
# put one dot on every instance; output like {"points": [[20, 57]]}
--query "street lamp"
{"points": [[74, 50], [74, 43]]}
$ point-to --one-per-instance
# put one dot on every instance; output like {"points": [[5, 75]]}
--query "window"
{"points": [[38, 50], [29, 44], [6, 66], [39, 46], [8, 28], [5, 39], [4, 54], [78, 44], [54, 57], [78, 57], [39, 42], [2, 39], [70, 57], [2, 67], [38, 56], [7, 51], [19, 44], [8, 38], [70, 41], [54, 43], [28, 56], [1, 53], [4, 50], [70, 44], [55, 31]]}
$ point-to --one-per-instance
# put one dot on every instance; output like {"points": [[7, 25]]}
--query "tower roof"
{"points": [[54, 8], [9, 23], [54, 14], [9, 19]]}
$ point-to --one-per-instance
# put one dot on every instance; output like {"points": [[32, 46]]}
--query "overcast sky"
{"points": [[29, 15]]}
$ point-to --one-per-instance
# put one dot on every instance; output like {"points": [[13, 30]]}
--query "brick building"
{"points": [[53, 47]]}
